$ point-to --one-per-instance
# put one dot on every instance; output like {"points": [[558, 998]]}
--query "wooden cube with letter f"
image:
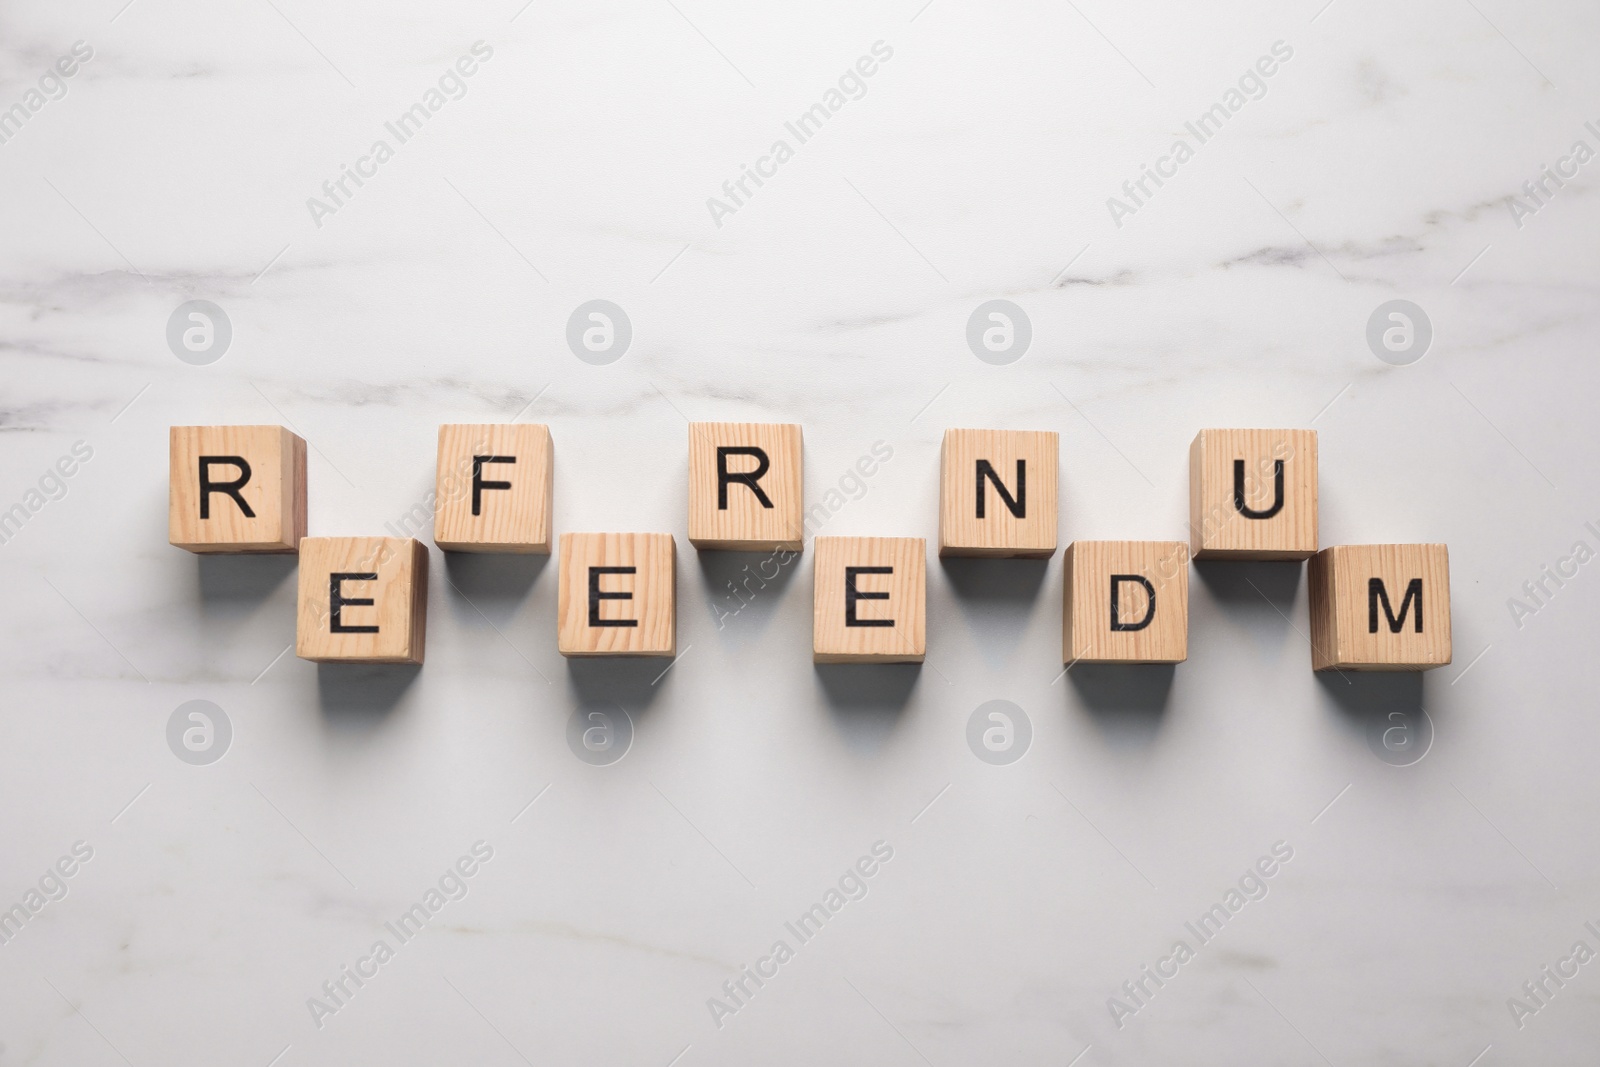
{"points": [[870, 600]]}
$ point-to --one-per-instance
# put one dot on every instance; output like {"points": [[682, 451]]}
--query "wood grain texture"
{"points": [[399, 594], [275, 491], [647, 597], [833, 639], [1218, 529], [1344, 608], [1000, 532], [1087, 634], [517, 519], [745, 524]]}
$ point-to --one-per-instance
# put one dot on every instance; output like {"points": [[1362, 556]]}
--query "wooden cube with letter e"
{"points": [[617, 595], [1125, 602], [236, 489], [869, 600], [362, 600], [997, 493], [493, 492], [1253, 494], [745, 486], [1380, 608]]}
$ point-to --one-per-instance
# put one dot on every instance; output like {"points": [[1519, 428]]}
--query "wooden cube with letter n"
{"points": [[617, 595], [1380, 608], [1126, 602], [362, 600], [997, 493], [869, 600], [745, 486], [1253, 494], [493, 488], [236, 489]]}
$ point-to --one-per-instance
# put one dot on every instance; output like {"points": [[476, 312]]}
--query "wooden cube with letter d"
{"points": [[869, 600], [362, 600], [1125, 602]]}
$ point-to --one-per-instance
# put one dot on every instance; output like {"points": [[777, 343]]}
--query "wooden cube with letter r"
{"points": [[236, 489], [745, 486], [869, 600], [362, 600], [1380, 608], [997, 493], [1125, 602], [617, 595]]}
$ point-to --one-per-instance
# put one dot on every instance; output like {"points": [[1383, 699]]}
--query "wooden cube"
{"points": [[870, 602], [617, 595], [1380, 608], [997, 493], [1126, 602], [236, 489], [493, 490], [362, 600], [745, 488], [1253, 494]]}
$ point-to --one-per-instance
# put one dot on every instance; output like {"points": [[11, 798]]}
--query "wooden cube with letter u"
{"points": [[997, 493], [1380, 608], [1253, 494], [1126, 602], [236, 489], [362, 600], [870, 600], [616, 595]]}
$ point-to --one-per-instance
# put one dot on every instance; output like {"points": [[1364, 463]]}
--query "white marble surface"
{"points": [[977, 166]]}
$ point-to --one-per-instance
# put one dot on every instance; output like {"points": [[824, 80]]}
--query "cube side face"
{"points": [[965, 489], [216, 473], [513, 499], [1381, 607], [1253, 494], [727, 511], [1108, 616], [604, 608], [398, 598], [897, 596]]}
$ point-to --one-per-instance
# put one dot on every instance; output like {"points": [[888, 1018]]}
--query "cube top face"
{"points": [[1126, 602], [493, 492], [362, 600], [745, 486], [236, 489], [1380, 607], [616, 595], [869, 600], [997, 493], [1253, 494]]}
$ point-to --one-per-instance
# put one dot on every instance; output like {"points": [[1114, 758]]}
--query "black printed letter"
{"points": [[1149, 611], [337, 600], [851, 595], [749, 478], [1238, 491], [1017, 507], [595, 596], [479, 485], [1376, 592], [207, 486]]}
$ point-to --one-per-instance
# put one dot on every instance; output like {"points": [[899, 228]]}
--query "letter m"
{"points": [[1377, 594]]}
